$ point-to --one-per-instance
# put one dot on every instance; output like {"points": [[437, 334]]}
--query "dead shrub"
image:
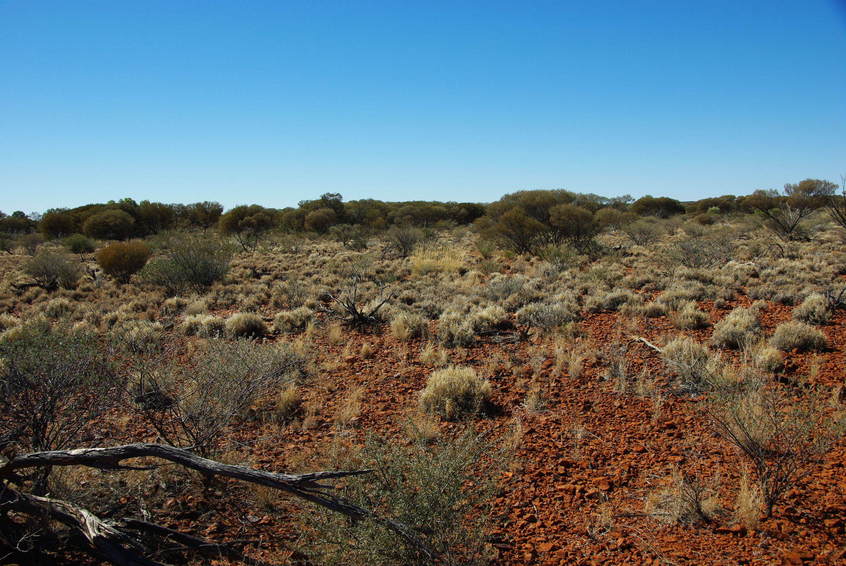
{"points": [[780, 434], [52, 270], [684, 500]]}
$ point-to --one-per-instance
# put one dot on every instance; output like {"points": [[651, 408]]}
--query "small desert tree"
{"points": [[781, 434], [836, 204], [54, 383], [247, 224], [783, 214], [192, 406]]}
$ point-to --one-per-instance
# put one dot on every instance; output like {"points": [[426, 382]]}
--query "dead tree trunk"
{"points": [[114, 540]]}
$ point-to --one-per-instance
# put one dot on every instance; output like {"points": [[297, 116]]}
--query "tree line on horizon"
{"points": [[521, 220]]}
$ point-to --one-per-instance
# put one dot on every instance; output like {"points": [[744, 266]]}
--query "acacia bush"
{"points": [[780, 434], [193, 405], [401, 240], [112, 224], [247, 224], [122, 260], [53, 269], [79, 244], [190, 264], [55, 382], [442, 491]]}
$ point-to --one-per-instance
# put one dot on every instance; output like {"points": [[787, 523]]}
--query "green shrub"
{"points": [[455, 392], [122, 260], [441, 491], [52, 270], [79, 244], [192, 264], [795, 335], [109, 225]]}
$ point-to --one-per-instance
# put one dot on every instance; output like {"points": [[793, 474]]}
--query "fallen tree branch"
{"points": [[105, 538], [304, 486], [648, 344]]}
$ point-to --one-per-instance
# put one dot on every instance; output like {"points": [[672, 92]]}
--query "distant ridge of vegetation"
{"points": [[522, 220]]}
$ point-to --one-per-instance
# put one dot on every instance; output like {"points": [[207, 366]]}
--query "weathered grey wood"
{"points": [[105, 538], [304, 486]]}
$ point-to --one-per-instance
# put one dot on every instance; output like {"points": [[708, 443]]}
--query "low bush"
{"points": [[293, 321], [408, 326], [696, 367], [684, 500], [205, 325], [737, 329], [547, 315], [441, 490], [614, 300], [455, 329], [192, 264], [79, 244], [52, 270], [455, 392], [691, 318], [55, 384], [122, 260], [57, 308], [795, 335], [245, 325], [219, 386], [813, 310]]}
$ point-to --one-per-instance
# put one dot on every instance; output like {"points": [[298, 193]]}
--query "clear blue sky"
{"points": [[273, 102]]}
